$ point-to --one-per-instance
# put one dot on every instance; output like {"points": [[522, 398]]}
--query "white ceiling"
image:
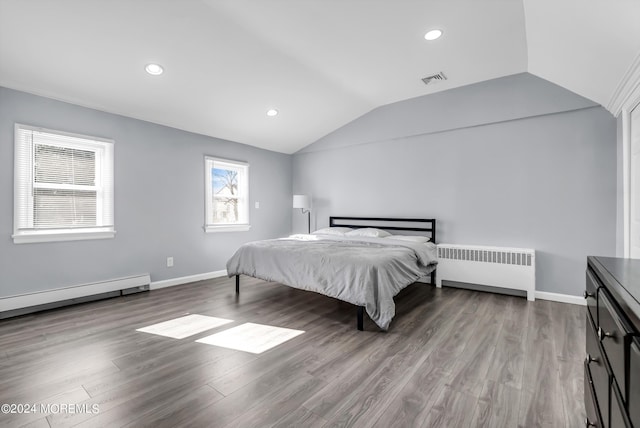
{"points": [[321, 63]]}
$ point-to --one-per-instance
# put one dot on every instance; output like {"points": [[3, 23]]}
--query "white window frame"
{"points": [[626, 174], [243, 193], [23, 228], [623, 101]]}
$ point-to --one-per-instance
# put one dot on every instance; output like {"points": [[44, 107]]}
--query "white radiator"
{"points": [[21, 301], [509, 268]]}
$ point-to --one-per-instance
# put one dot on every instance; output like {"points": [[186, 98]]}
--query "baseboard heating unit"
{"points": [[32, 302], [493, 267]]}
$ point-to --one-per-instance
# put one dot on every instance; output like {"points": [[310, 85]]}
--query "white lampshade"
{"points": [[302, 201]]}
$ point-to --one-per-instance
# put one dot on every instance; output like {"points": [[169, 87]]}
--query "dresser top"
{"points": [[622, 279]]}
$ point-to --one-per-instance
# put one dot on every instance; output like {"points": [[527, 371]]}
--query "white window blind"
{"points": [[63, 186], [227, 195]]}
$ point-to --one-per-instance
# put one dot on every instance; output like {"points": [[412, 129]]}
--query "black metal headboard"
{"points": [[413, 224]]}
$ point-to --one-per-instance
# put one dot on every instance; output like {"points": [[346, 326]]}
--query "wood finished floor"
{"points": [[452, 358]]}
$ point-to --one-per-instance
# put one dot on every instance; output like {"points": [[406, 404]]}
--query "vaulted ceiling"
{"points": [[320, 63]]}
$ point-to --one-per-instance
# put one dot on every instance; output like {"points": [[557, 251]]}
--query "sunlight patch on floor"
{"points": [[186, 326], [250, 337]]}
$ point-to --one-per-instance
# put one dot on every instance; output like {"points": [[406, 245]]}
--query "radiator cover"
{"points": [[48, 299], [501, 267]]}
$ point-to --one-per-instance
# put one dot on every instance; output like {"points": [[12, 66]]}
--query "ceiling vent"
{"points": [[434, 78]]}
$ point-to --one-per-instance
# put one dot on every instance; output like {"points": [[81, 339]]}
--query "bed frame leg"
{"points": [[237, 284], [360, 320]]}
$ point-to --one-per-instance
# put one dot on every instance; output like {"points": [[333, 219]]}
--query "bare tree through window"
{"points": [[225, 185]]}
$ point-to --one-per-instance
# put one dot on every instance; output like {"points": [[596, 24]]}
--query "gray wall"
{"points": [[159, 201], [515, 162]]}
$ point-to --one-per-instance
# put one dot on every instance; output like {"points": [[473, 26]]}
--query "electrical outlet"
{"points": [[257, 204], [169, 261]]}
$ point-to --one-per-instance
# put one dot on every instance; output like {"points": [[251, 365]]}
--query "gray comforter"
{"points": [[363, 271]]}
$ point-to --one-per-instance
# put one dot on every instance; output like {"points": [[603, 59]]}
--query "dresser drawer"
{"points": [[598, 369], [591, 295], [619, 418], [590, 402], [613, 332], [633, 402]]}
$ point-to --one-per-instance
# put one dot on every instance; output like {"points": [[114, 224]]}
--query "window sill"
{"points": [[227, 228], [59, 236]]}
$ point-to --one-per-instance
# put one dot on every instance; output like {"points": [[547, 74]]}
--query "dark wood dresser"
{"points": [[612, 364]]}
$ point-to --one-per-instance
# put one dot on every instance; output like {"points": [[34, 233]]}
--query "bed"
{"points": [[352, 260]]}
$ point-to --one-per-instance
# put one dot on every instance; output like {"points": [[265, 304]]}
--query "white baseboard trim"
{"points": [[562, 298], [69, 293], [155, 285]]}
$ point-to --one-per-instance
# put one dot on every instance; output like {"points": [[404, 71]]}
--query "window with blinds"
{"points": [[63, 186], [227, 193]]}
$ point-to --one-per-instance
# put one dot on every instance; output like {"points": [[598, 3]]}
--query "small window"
{"points": [[63, 186], [227, 188]]}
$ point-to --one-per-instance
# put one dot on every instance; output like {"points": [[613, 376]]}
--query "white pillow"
{"points": [[410, 238], [368, 232], [333, 231]]}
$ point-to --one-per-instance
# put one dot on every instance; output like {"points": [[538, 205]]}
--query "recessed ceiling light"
{"points": [[433, 34], [272, 112], [154, 69]]}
